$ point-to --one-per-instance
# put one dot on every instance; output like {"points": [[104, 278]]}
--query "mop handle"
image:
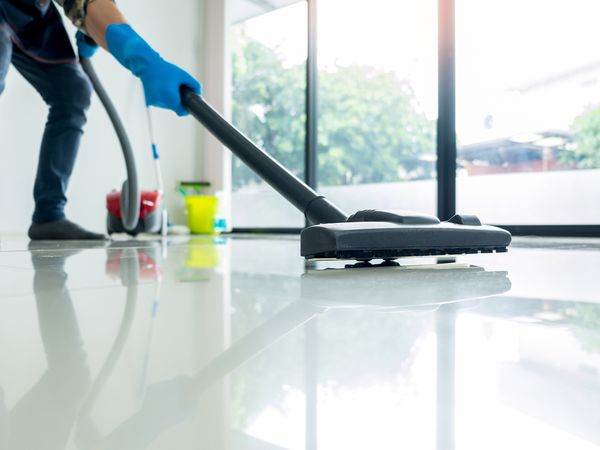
{"points": [[155, 155]]}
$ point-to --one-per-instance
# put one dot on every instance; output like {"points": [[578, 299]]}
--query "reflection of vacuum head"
{"points": [[386, 289], [401, 287]]}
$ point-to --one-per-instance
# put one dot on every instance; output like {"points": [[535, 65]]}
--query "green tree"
{"points": [[587, 317], [586, 129], [268, 106], [370, 128]]}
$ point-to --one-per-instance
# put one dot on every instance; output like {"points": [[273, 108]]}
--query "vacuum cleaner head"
{"points": [[393, 234]]}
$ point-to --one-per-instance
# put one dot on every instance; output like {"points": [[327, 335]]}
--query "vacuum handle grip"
{"points": [[314, 206]]}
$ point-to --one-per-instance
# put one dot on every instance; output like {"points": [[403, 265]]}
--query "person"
{"points": [[34, 40]]}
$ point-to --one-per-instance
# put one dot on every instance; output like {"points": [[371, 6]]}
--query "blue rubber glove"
{"points": [[85, 45], [161, 79]]}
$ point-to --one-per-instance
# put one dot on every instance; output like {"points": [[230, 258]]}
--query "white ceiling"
{"points": [[246, 9]]}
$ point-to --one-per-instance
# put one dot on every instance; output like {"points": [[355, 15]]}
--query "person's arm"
{"points": [[93, 16], [101, 14], [103, 22]]}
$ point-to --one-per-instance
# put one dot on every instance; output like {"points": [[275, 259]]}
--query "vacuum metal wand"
{"points": [[158, 172], [155, 155], [315, 207]]}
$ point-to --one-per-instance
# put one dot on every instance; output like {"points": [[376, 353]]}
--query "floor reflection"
{"points": [[158, 346], [45, 416]]}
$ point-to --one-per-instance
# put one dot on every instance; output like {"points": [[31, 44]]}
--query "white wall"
{"points": [[175, 33], [215, 159]]}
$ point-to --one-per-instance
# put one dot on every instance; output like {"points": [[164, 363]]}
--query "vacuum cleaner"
{"points": [[129, 210], [365, 235]]}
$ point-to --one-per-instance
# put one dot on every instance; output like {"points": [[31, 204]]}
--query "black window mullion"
{"points": [[446, 124], [310, 151]]}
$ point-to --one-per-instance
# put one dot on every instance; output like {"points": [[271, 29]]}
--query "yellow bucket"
{"points": [[201, 212]]}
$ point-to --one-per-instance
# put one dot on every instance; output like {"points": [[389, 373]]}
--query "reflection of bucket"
{"points": [[202, 253], [201, 212]]}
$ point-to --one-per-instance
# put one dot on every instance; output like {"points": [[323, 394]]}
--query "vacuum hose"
{"points": [[130, 194]]}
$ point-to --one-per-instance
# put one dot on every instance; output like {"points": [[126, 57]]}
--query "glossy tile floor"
{"points": [[232, 343]]}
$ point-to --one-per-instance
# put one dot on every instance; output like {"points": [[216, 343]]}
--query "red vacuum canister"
{"points": [[150, 218]]}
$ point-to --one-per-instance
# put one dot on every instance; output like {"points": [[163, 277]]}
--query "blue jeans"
{"points": [[67, 92]]}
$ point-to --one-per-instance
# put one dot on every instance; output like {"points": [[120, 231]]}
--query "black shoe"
{"points": [[62, 230]]}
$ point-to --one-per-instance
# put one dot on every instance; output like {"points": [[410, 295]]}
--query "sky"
{"points": [[500, 46]]}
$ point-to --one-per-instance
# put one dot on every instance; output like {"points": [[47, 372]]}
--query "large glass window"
{"points": [[269, 92], [528, 111], [378, 103]]}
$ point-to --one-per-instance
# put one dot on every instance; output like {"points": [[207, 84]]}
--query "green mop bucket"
{"points": [[201, 213]]}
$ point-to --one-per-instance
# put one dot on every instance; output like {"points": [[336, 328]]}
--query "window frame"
{"points": [[446, 148]]}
